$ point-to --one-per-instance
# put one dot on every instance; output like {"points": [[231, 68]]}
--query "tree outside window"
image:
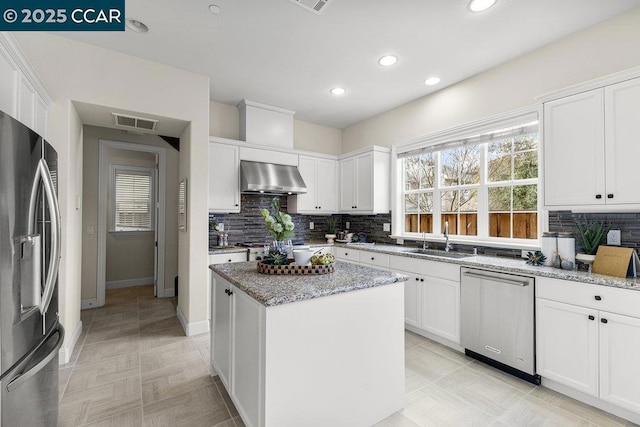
{"points": [[497, 171]]}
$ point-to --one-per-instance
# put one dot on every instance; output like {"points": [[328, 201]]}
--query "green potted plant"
{"points": [[590, 235], [280, 227], [332, 229]]}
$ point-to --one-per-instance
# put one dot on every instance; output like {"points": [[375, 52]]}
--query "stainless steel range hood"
{"points": [[256, 177]]}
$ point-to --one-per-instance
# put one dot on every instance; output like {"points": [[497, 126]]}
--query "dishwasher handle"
{"points": [[521, 283]]}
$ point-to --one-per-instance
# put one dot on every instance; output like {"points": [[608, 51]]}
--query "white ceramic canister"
{"points": [[567, 247], [549, 247]]}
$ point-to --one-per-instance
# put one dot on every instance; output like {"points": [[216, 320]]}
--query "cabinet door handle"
{"points": [[598, 298], [422, 280], [591, 317], [417, 279], [226, 291], [604, 320], [609, 196], [346, 254], [372, 258], [236, 205], [598, 196]]}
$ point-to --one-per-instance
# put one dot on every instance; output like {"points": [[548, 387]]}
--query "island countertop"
{"points": [[271, 290]]}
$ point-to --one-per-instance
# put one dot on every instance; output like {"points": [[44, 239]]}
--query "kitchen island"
{"points": [[309, 350]]}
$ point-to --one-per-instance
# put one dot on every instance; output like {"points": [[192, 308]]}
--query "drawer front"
{"points": [[614, 300], [224, 258], [375, 259], [443, 270], [346, 254]]}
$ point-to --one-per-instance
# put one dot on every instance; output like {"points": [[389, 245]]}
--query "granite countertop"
{"points": [[270, 290], [227, 250], [509, 265]]}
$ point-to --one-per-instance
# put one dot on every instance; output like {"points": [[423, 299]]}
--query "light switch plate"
{"points": [[613, 237]]}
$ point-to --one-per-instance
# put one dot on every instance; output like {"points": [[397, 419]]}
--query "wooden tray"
{"points": [[294, 269]]}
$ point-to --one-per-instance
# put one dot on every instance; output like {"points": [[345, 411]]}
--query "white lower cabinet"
{"points": [[432, 296], [619, 360], [221, 259], [413, 300], [589, 347], [567, 345], [441, 307], [235, 346]]}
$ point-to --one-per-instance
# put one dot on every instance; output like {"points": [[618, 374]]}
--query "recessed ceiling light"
{"points": [[137, 26], [480, 5], [338, 91], [432, 81], [387, 60], [215, 9]]}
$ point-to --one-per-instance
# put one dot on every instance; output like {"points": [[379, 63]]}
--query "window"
{"points": [[484, 187], [132, 198]]}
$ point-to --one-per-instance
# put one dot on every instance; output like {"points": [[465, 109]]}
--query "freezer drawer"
{"points": [[30, 389], [497, 317]]}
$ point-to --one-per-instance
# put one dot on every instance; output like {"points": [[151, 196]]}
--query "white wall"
{"points": [[224, 122], [597, 51], [73, 71]]}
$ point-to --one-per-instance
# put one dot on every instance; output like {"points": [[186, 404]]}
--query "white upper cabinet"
{"points": [[224, 178], [622, 147], [22, 95], [590, 148], [321, 177], [364, 182], [9, 75], [574, 150]]}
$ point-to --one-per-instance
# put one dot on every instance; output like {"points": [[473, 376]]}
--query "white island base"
{"points": [[333, 361]]}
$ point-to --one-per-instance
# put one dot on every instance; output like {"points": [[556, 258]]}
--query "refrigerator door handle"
{"points": [[25, 376], [43, 174]]}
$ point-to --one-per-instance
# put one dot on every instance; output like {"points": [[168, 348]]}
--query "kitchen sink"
{"points": [[434, 252]]}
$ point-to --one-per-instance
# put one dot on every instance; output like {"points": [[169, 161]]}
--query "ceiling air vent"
{"points": [[315, 6], [138, 123]]}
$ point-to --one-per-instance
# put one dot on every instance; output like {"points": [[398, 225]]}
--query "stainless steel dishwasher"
{"points": [[497, 320]]}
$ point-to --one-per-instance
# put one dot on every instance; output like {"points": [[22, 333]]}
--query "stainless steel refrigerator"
{"points": [[30, 335]]}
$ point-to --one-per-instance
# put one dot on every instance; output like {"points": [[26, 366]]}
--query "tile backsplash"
{"points": [[248, 225], [628, 223]]}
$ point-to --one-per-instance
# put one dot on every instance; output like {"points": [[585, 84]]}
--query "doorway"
{"points": [[131, 221]]}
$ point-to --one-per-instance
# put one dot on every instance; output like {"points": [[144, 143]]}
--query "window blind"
{"points": [[133, 200]]}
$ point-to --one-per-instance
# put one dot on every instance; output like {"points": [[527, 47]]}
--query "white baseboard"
{"points": [[592, 400], [115, 284], [433, 337], [88, 303], [194, 328], [70, 341]]}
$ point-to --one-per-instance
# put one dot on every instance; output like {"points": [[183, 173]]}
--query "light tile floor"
{"points": [[133, 366]]}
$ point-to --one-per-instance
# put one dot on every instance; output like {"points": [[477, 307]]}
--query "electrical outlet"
{"points": [[386, 226], [613, 237], [311, 225], [90, 230], [221, 226], [347, 225]]}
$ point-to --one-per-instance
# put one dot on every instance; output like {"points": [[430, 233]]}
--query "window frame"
{"points": [[503, 121], [137, 170]]}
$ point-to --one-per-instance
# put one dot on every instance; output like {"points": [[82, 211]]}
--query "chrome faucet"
{"points": [[447, 245], [425, 245]]}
